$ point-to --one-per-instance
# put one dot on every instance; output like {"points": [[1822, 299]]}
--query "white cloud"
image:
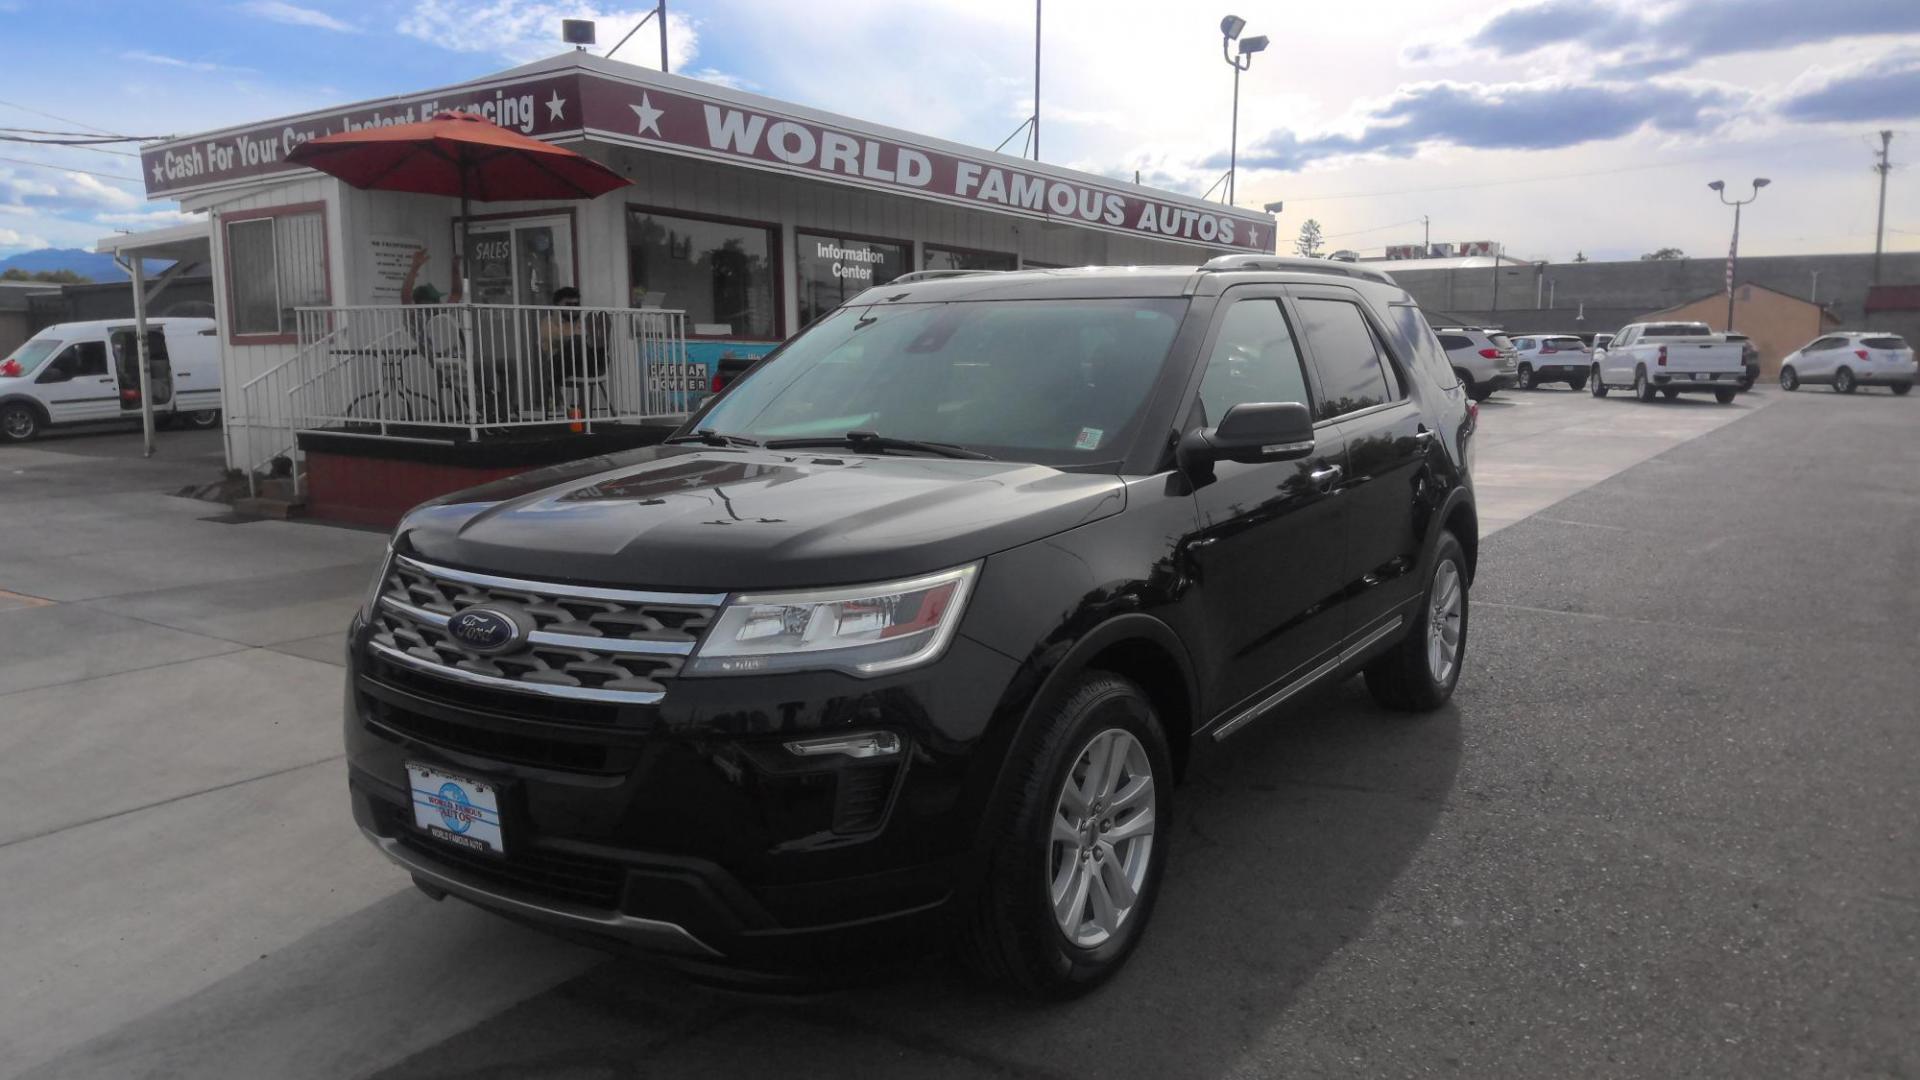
{"points": [[521, 32], [164, 60], [13, 238], [294, 15]]}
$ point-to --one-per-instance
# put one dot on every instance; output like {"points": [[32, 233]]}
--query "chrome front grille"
{"points": [[584, 643]]}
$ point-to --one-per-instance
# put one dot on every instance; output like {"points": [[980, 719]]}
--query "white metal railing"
{"points": [[450, 372]]}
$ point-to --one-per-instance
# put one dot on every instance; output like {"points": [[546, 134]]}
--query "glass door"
{"points": [[521, 261]]}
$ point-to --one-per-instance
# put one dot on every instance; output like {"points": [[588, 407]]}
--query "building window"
{"points": [[720, 273], [833, 268], [940, 258], [275, 264]]}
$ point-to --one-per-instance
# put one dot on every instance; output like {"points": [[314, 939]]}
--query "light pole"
{"points": [[1230, 28], [1733, 251]]}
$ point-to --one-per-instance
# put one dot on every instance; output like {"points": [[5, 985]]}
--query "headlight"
{"points": [[861, 630], [377, 585]]}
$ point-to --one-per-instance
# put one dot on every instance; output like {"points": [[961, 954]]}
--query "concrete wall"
{"points": [[1651, 286]]}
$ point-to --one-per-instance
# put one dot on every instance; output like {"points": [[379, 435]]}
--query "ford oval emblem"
{"points": [[484, 630]]}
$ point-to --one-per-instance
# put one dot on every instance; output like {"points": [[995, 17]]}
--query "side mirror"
{"points": [[1251, 432]]}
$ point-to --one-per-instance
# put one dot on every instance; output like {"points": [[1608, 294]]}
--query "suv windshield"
{"points": [[1059, 382], [27, 358]]}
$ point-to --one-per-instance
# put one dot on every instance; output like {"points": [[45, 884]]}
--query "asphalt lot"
{"points": [[1667, 826]]}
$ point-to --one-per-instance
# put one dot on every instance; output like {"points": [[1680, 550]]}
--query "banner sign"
{"points": [[676, 117]]}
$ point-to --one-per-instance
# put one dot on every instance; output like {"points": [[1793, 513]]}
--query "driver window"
{"points": [[1254, 360], [76, 361]]}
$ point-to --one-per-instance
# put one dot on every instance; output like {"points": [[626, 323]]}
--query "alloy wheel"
{"points": [[1444, 604], [1102, 838], [18, 423]]}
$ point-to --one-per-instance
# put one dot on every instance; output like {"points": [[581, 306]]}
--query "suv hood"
{"points": [[694, 517]]}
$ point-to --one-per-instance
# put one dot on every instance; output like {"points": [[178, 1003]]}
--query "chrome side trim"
{"points": [[576, 693], [1273, 700], [565, 641], [578, 592], [652, 933]]}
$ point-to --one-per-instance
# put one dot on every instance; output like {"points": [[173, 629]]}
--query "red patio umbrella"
{"points": [[460, 154]]}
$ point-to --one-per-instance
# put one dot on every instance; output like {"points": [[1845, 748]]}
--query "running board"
{"points": [[1279, 696]]}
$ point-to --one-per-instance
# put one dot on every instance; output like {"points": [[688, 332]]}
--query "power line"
{"points": [[1376, 228], [51, 116], [63, 168]]}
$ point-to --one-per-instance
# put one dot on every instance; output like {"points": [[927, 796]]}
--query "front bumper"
{"points": [[686, 828]]}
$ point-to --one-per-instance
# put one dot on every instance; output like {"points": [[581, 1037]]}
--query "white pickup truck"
{"points": [[1669, 358]]}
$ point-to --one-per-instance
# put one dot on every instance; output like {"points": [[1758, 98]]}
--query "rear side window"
{"points": [[1883, 343], [1352, 371], [1451, 342], [1823, 343], [1254, 360]]}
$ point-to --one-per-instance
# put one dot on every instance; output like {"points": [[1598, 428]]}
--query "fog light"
{"points": [[866, 744]]}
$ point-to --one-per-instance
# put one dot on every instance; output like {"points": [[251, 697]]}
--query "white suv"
{"points": [[1482, 357], [1546, 358], [1849, 360]]}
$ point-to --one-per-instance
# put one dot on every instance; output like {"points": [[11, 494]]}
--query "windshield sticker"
{"points": [[1089, 439]]}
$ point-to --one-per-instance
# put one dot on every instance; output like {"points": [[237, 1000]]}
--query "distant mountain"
{"points": [[96, 266]]}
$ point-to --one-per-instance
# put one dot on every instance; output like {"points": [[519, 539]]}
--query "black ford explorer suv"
{"points": [[907, 635]]}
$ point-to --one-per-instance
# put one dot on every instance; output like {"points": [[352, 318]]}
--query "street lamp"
{"points": [[1230, 28], [1733, 251]]}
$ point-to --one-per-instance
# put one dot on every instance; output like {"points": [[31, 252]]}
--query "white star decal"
{"points": [[649, 116], [556, 107], [159, 172]]}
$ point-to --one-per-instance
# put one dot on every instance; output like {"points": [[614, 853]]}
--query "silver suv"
{"points": [[1481, 356]]}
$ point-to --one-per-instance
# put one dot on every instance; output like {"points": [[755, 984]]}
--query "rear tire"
{"points": [[1900, 388], [1523, 380], [1789, 379], [205, 418], [1843, 381], [1671, 395], [1412, 676], [1642, 389], [1724, 397], [19, 422], [1015, 936], [1576, 385]]}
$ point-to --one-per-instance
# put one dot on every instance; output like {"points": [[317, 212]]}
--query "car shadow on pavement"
{"points": [[1288, 838]]}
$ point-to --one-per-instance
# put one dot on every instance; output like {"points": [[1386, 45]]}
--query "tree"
{"points": [[1579, 256], [52, 277], [1310, 241], [1665, 254]]}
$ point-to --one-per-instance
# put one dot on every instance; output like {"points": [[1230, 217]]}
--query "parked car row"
{"points": [[86, 372], [1667, 359]]}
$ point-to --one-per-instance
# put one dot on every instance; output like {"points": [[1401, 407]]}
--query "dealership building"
{"points": [[745, 218]]}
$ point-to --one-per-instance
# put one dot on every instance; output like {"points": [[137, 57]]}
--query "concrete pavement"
{"points": [[1665, 827]]}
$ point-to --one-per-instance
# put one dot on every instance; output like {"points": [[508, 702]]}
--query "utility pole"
{"points": [[1880, 224], [1426, 237], [1036, 80], [662, 9], [1496, 277]]}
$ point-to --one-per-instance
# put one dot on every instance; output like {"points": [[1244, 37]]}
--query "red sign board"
{"points": [[676, 117]]}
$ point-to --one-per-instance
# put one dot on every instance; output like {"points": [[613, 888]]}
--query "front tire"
{"points": [[1789, 379], [1596, 383], [1524, 379], [1419, 673], [1843, 381], [19, 422], [1079, 845]]}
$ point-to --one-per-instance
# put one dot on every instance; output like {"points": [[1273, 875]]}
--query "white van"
{"points": [[86, 372]]}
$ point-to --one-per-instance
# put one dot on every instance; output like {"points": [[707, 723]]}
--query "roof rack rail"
{"points": [[1295, 265], [913, 276]]}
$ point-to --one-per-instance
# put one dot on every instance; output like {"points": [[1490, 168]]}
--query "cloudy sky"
{"points": [[1552, 127]]}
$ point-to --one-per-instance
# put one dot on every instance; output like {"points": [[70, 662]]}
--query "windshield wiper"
{"points": [[710, 437], [874, 441]]}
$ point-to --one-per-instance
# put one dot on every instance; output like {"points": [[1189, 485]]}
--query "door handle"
{"points": [[1327, 475], [1423, 435]]}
